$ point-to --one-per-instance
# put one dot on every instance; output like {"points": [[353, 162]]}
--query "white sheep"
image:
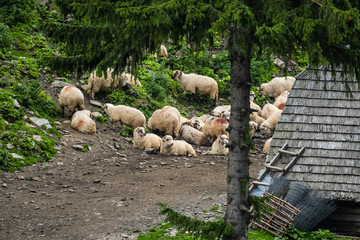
{"points": [[276, 86], [267, 110], [219, 146], [166, 120], [194, 83], [267, 146], [72, 98], [253, 127], [145, 140], [215, 127], [96, 83], [281, 100], [219, 109], [176, 147], [163, 52], [130, 79], [256, 118], [128, 116], [191, 135], [268, 127], [183, 120], [82, 121], [197, 123]]}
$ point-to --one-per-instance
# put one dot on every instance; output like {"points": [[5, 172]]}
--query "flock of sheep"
{"points": [[209, 129]]}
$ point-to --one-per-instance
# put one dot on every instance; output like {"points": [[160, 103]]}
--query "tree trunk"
{"points": [[237, 214]]}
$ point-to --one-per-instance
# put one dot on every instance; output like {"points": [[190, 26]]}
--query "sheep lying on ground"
{"points": [[256, 118], [96, 83], [176, 147], [268, 127], [194, 83], [72, 98], [191, 135], [281, 100], [82, 122], [197, 123], [215, 127], [128, 116], [267, 110], [253, 126], [219, 109], [166, 120], [276, 86], [183, 120], [145, 140], [219, 146], [267, 146]]}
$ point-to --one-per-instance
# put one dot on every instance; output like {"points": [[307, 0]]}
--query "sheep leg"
{"points": [[62, 111]]}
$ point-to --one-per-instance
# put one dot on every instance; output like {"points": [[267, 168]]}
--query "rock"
{"points": [[9, 146], [96, 114], [16, 156], [60, 84], [78, 147], [16, 104], [97, 181], [150, 150], [37, 138], [96, 103], [41, 121], [30, 125], [84, 87]]}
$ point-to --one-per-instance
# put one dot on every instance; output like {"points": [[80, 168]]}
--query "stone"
{"points": [[78, 147], [37, 138], [16, 104], [150, 150], [16, 156], [9, 146], [95, 103], [96, 114], [41, 121], [60, 84]]}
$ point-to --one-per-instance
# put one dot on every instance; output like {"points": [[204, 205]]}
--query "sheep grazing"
{"points": [[281, 100], [253, 127], [127, 78], [215, 127], [267, 146], [176, 147], [163, 52], [145, 140], [82, 121], [219, 146], [194, 83], [276, 86], [72, 98], [166, 120], [191, 135], [95, 83], [267, 110], [268, 127], [128, 116]]}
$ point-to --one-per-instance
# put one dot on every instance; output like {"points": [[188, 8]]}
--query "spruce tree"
{"points": [[109, 33]]}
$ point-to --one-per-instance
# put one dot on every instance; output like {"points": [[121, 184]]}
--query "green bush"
{"points": [[13, 12], [5, 38], [7, 110]]}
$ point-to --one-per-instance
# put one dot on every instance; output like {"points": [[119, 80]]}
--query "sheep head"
{"points": [[176, 74], [223, 139], [167, 141], [140, 131], [265, 129]]}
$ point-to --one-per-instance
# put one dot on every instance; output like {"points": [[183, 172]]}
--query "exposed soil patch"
{"points": [[111, 190]]}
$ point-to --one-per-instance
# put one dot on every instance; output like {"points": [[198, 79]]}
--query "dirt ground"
{"points": [[110, 191]]}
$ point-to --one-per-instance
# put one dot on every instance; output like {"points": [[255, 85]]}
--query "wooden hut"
{"points": [[322, 116]]}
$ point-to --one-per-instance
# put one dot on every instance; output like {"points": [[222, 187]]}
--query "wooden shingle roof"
{"points": [[327, 124]]}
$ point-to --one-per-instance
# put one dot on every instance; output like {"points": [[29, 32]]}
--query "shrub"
{"points": [[13, 12]]}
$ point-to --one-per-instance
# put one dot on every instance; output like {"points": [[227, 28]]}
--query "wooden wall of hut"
{"points": [[345, 220]]}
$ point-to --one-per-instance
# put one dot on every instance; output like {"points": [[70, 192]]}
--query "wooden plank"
{"points": [[292, 162], [279, 169], [260, 183], [287, 152]]}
